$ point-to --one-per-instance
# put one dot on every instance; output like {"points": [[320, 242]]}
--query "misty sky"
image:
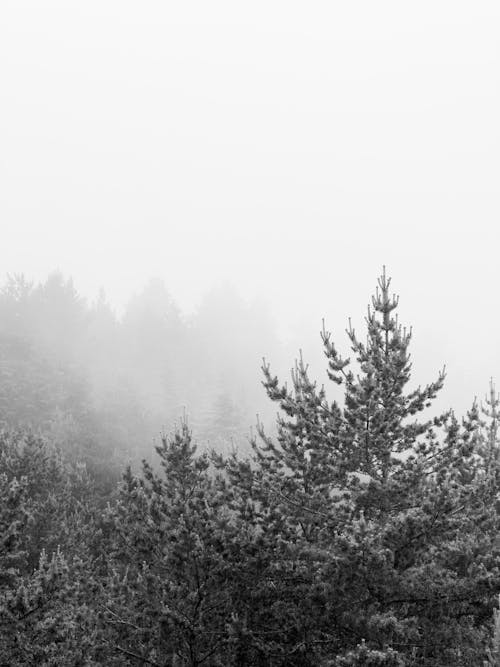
{"points": [[289, 148]]}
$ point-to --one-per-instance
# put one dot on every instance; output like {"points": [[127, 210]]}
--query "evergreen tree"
{"points": [[16, 308], [45, 519], [167, 598], [373, 528], [489, 444]]}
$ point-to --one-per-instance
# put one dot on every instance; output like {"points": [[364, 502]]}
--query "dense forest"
{"points": [[355, 531]]}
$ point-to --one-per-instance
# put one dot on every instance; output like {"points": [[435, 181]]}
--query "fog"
{"points": [[275, 155]]}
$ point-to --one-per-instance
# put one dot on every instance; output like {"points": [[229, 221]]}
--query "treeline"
{"points": [[102, 387], [360, 534]]}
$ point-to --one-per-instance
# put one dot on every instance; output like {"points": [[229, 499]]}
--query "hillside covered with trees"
{"points": [[356, 532]]}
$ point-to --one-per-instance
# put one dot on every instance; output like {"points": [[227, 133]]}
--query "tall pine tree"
{"points": [[373, 525]]}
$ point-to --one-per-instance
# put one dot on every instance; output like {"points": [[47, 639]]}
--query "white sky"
{"points": [[290, 148]]}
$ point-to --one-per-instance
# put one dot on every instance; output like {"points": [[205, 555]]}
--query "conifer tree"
{"points": [[489, 445], [367, 517], [44, 618], [167, 598]]}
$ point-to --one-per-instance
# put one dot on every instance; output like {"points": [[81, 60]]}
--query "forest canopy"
{"points": [[358, 531]]}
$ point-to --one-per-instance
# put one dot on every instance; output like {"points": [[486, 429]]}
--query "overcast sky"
{"points": [[289, 148]]}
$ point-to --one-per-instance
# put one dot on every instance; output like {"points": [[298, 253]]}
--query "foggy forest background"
{"points": [[104, 386]]}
